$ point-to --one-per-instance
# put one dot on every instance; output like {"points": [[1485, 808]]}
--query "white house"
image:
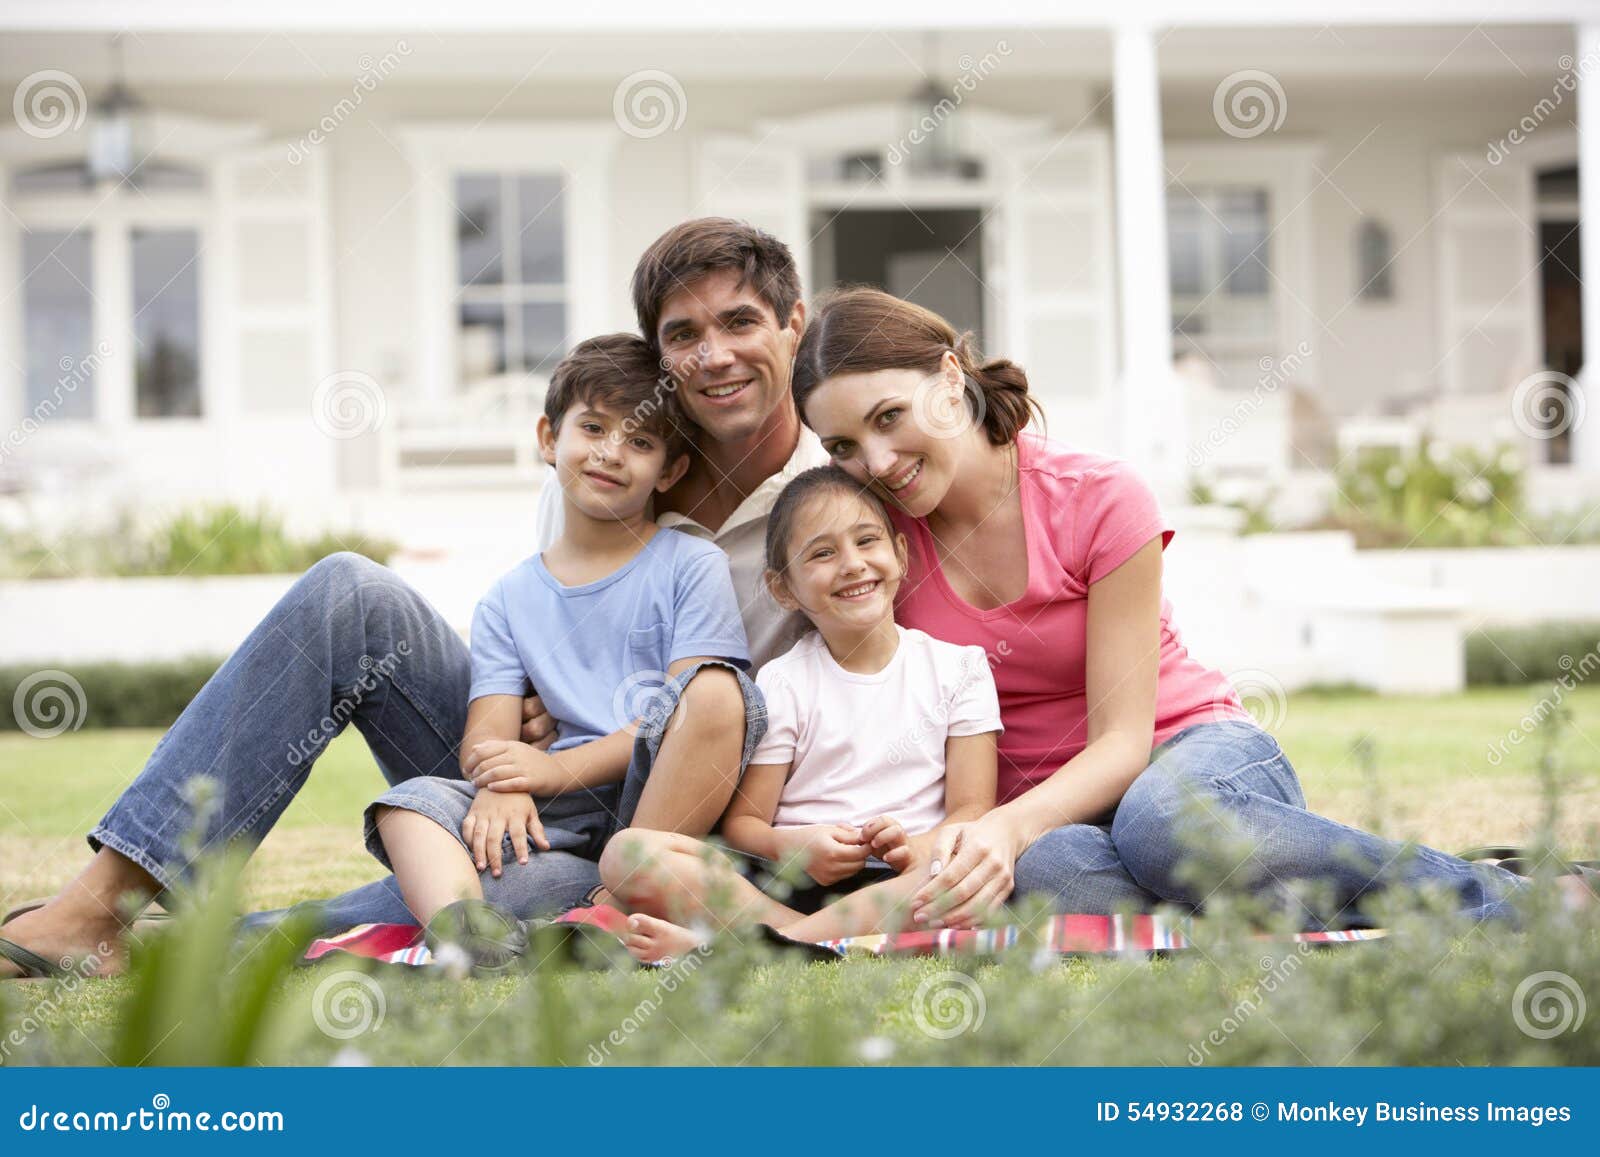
{"points": [[322, 254]]}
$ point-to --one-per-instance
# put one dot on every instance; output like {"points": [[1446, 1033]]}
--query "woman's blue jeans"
{"points": [[1229, 787]]}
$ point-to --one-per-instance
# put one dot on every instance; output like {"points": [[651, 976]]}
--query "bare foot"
{"points": [[89, 948], [651, 941]]}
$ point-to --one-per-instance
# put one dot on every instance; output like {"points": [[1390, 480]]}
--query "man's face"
{"points": [[729, 354]]}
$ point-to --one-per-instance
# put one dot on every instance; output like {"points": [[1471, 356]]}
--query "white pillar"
{"points": [[1586, 432], [1149, 403]]}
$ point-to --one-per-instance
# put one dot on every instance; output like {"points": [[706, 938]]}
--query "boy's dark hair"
{"points": [[803, 487], [687, 252], [619, 372]]}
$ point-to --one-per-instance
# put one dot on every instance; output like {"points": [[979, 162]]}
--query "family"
{"points": [[811, 579]]}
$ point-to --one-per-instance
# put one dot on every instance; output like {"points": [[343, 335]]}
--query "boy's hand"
{"points": [[494, 814], [538, 727], [509, 766], [887, 840], [829, 852]]}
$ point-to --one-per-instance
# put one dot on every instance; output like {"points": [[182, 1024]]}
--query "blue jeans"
{"points": [[350, 642], [1229, 785]]}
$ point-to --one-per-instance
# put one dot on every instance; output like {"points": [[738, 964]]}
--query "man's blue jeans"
{"points": [[350, 642], [1229, 786]]}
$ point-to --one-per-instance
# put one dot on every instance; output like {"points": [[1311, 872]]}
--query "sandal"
{"points": [[1520, 861], [34, 966], [492, 939]]}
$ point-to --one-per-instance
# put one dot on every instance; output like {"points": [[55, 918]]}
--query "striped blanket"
{"points": [[1064, 935]]}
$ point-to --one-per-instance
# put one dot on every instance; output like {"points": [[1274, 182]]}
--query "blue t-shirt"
{"points": [[596, 652]]}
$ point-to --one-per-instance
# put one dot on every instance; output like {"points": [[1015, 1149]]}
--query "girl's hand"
{"points": [[494, 814], [510, 766], [972, 865], [829, 852], [887, 840]]}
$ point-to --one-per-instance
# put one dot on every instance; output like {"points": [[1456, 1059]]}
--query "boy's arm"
{"points": [[598, 762], [490, 717]]}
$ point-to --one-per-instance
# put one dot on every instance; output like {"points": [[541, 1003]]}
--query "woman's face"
{"points": [[902, 432]]}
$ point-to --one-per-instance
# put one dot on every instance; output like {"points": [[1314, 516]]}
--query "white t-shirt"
{"points": [[743, 538], [862, 746]]}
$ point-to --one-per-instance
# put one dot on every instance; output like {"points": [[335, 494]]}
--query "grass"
{"points": [[1441, 993]]}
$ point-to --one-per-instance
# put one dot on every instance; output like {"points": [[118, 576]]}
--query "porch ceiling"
{"points": [[158, 58]]}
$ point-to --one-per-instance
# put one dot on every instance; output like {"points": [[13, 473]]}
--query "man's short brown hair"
{"points": [[620, 373], [687, 252]]}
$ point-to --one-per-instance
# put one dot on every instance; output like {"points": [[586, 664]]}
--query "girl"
{"points": [[1119, 747], [864, 718]]}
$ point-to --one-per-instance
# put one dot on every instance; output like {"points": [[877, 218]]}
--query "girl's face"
{"points": [[844, 564], [900, 431]]}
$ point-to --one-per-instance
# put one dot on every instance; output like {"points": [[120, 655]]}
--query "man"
{"points": [[721, 302]]}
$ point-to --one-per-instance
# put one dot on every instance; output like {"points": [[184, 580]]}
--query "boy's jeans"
{"points": [[1232, 779], [350, 642]]}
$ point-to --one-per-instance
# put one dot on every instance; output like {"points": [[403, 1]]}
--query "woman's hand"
{"points": [[509, 766], [828, 852], [972, 866], [494, 814]]}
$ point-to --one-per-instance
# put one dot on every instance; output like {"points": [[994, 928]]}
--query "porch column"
{"points": [[1586, 432], [1148, 406]]}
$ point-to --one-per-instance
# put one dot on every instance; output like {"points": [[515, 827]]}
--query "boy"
{"points": [[616, 620]]}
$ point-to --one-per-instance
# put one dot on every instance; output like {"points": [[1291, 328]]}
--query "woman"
{"points": [[1120, 752]]}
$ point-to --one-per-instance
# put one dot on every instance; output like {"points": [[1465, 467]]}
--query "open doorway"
{"points": [[933, 257], [1561, 303]]}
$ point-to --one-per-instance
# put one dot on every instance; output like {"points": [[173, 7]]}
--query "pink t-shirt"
{"points": [[1084, 515]]}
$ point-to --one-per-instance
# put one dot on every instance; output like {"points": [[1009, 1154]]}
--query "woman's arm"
{"points": [[1123, 657]]}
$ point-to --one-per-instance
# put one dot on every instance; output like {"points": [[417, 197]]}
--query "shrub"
{"points": [[1434, 496], [1537, 654], [116, 694], [210, 540]]}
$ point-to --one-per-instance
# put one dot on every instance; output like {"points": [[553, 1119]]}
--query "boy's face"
{"points": [[730, 356], [604, 465]]}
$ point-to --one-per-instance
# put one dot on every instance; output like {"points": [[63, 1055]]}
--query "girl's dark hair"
{"points": [[859, 329], [801, 488]]}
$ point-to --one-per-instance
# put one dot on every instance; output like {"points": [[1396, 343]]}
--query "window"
{"points": [[511, 273], [166, 322], [58, 323], [1220, 262]]}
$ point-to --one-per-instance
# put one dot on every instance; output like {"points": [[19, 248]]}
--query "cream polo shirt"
{"points": [[743, 538]]}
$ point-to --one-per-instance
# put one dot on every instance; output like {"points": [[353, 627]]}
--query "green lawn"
{"points": [[1437, 994]]}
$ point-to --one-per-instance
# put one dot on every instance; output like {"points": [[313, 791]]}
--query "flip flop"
{"points": [[1520, 862], [34, 966], [35, 905], [492, 938]]}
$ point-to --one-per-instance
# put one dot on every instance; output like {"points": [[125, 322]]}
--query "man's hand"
{"points": [[493, 815], [508, 766], [828, 852], [538, 728]]}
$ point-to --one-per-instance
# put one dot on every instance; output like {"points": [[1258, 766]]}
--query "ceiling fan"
{"points": [[121, 143]]}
